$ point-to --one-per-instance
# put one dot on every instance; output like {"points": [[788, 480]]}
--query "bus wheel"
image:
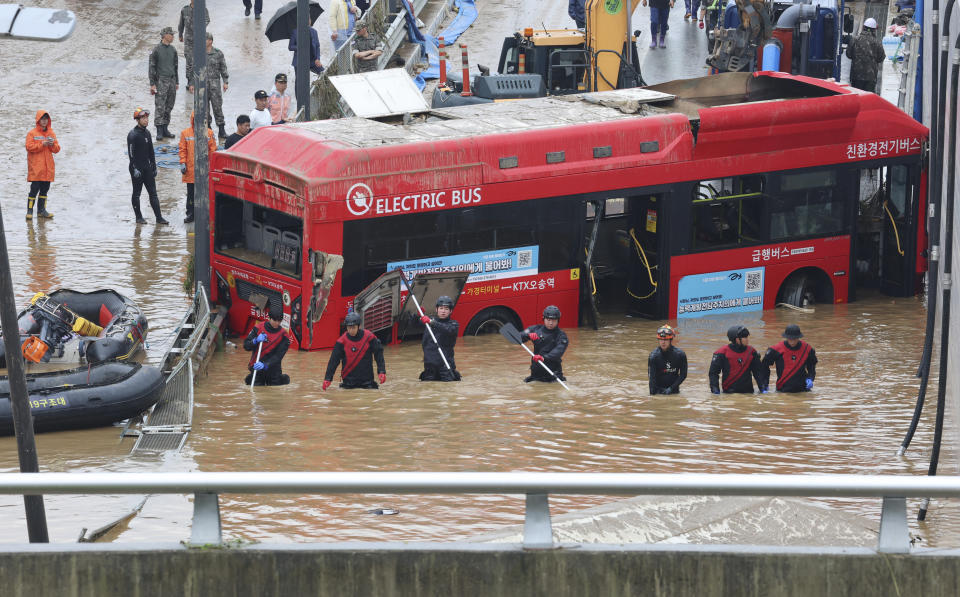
{"points": [[806, 288], [489, 321]]}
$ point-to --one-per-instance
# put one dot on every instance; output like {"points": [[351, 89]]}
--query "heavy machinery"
{"points": [[534, 63], [801, 37]]}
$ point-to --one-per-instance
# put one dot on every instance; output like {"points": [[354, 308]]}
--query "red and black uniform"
{"points": [[550, 344], [446, 331], [736, 363], [666, 369], [794, 365], [356, 353], [272, 353]]}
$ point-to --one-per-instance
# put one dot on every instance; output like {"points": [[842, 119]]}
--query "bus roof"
{"points": [[706, 118]]}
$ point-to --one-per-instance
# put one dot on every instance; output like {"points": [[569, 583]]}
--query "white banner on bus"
{"points": [[482, 266]]}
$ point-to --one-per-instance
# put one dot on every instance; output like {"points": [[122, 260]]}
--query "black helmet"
{"points": [[666, 332], [737, 331], [445, 301], [551, 312], [276, 312], [792, 332], [353, 318]]}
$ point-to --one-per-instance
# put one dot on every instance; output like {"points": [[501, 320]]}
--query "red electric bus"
{"points": [[723, 194]]}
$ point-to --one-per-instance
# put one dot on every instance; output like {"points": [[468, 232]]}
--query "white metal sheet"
{"points": [[380, 93], [45, 24]]}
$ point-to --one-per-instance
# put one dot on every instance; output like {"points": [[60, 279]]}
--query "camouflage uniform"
{"points": [[216, 70], [866, 54], [185, 29], [163, 75], [363, 44]]}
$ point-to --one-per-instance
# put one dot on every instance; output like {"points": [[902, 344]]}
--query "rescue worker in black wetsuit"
{"points": [[796, 362], [667, 365], [275, 342], [549, 344], [356, 349], [736, 362], [143, 166], [445, 330]]}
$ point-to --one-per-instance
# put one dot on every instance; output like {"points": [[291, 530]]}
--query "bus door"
{"points": [[900, 221], [645, 223]]}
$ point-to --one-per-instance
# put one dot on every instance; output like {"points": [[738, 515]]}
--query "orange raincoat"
{"points": [[39, 156], [187, 148]]}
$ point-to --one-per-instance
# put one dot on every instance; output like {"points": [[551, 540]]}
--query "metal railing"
{"points": [[538, 532]]}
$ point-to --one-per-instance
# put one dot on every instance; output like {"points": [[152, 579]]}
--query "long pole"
{"points": [[303, 58], [22, 419], [420, 311], [201, 164]]}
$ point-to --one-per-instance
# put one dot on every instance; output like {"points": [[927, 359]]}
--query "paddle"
{"points": [[512, 334], [253, 377], [420, 311]]}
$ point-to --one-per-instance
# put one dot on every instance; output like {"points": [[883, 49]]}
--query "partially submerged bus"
{"points": [[723, 194]]}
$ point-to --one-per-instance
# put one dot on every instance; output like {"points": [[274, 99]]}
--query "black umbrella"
{"points": [[285, 20]]}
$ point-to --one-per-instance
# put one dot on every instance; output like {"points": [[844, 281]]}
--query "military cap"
{"points": [[260, 94], [166, 31], [280, 78]]}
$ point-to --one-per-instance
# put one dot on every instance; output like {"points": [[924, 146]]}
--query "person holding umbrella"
{"points": [[257, 8], [283, 25]]}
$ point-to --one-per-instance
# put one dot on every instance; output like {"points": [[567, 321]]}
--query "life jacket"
{"points": [[793, 360], [273, 339], [354, 349], [739, 364]]}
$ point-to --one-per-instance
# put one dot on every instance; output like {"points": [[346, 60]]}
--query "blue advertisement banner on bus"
{"points": [[732, 291], [482, 266]]}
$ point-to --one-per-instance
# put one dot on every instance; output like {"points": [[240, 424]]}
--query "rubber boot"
{"points": [[222, 132], [663, 41], [653, 44], [30, 208], [160, 134], [166, 131], [42, 208]]}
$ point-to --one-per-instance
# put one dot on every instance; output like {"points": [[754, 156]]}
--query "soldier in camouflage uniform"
{"points": [[366, 50], [216, 70], [164, 80], [186, 35], [866, 55]]}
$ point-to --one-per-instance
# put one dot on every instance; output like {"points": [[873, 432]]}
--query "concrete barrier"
{"points": [[463, 570]]}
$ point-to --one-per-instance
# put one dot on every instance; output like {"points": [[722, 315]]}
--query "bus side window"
{"points": [[807, 204], [728, 212]]}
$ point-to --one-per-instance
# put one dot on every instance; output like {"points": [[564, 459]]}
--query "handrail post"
{"points": [[894, 534], [206, 519], [537, 531]]}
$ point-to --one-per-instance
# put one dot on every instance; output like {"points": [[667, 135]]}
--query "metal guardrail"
{"points": [[538, 533]]}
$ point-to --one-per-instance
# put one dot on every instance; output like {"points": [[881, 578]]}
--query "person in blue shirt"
{"points": [[578, 13], [315, 64]]}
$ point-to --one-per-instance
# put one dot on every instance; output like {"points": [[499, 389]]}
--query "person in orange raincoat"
{"points": [[41, 145], [186, 161]]}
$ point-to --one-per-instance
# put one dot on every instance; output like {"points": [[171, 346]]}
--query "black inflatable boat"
{"points": [[92, 396], [72, 328]]}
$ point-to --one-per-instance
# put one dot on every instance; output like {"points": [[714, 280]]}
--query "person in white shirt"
{"points": [[260, 116], [279, 101]]}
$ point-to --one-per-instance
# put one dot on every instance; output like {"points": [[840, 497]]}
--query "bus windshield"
{"points": [[258, 235]]}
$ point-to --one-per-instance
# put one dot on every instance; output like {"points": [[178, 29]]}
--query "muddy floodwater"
{"points": [[852, 422]]}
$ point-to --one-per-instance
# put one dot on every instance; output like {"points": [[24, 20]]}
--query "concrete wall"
{"points": [[471, 570]]}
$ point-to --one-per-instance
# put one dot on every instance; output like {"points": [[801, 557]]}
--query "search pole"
{"points": [[304, 55], [19, 405], [201, 164]]}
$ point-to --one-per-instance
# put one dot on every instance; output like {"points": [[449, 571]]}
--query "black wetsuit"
{"points": [[446, 331], [737, 363], [272, 354], [667, 370], [800, 362], [356, 353], [140, 151], [551, 344]]}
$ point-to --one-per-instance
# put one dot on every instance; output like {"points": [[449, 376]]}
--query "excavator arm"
{"points": [[610, 41]]}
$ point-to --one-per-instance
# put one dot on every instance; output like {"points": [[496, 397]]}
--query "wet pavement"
{"points": [[852, 423]]}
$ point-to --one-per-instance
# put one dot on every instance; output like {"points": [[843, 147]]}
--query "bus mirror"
{"points": [[848, 23]]}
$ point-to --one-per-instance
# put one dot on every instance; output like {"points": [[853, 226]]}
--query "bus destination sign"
{"points": [[482, 266]]}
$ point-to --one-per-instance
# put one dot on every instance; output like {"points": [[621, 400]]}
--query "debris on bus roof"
{"points": [[380, 93]]}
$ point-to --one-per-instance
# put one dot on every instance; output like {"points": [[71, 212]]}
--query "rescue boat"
{"points": [[73, 328], [93, 396]]}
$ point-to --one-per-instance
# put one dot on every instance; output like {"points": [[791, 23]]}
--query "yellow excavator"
{"points": [[539, 62], [599, 57]]}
